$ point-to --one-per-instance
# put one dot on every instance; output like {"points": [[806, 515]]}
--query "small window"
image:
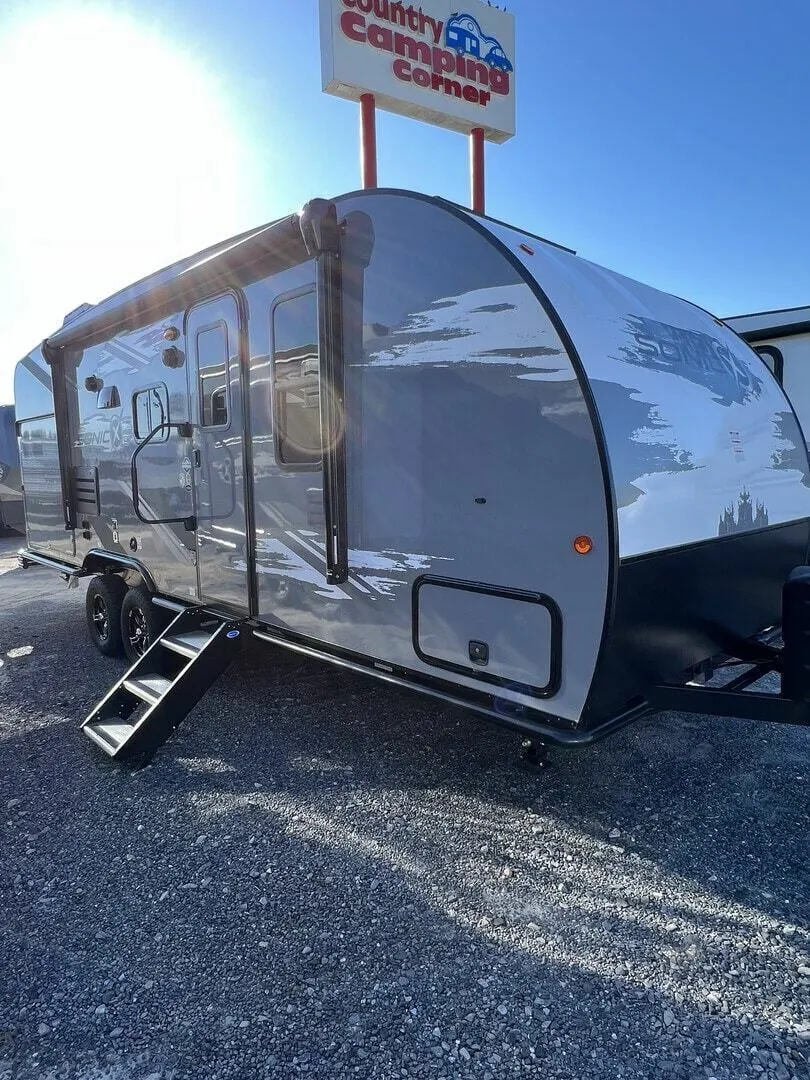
{"points": [[296, 380], [212, 364], [150, 409], [774, 359]]}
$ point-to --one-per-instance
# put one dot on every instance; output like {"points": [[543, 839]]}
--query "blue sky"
{"points": [[667, 140]]}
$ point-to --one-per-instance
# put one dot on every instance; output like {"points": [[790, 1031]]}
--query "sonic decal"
{"points": [[692, 355]]}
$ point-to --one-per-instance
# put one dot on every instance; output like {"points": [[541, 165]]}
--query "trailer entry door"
{"points": [[287, 386], [214, 336], [301, 433]]}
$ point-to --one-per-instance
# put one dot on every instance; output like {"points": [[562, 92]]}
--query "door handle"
{"points": [[197, 459]]}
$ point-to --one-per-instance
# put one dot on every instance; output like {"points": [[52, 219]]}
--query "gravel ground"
{"points": [[319, 876]]}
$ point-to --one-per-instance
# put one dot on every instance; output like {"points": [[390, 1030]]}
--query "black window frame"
{"points": [[278, 427], [200, 398], [778, 360], [165, 402]]}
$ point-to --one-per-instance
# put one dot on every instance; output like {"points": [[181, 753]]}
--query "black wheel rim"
{"points": [[137, 631], [101, 618]]}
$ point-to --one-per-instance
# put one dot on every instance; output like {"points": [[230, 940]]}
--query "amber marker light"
{"points": [[583, 545]]}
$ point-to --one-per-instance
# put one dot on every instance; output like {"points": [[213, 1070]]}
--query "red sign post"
{"points": [[477, 188], [368, 140]]}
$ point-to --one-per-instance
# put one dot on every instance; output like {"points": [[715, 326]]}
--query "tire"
{"points": [[141, 623], [102, 607]]}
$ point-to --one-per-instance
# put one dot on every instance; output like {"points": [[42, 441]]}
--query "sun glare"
{"points": [[120, 153]]}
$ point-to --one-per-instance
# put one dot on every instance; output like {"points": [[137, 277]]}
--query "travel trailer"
{"points": [[421, 444], [782, 339], [11, 507]]}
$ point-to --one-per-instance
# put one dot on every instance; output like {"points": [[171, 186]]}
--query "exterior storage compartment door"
{"points": [[505, 637]]}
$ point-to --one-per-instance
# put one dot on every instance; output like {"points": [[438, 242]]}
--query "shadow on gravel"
{"points": [[722, 802], [319, 875]]}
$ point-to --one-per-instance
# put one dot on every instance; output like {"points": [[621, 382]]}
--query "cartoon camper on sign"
{"points": [[464, 35]]}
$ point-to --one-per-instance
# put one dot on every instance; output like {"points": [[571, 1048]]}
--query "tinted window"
{"points": [[150, 409], [295, 374], [212, 363]]}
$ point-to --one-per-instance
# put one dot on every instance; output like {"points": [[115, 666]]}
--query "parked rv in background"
{"points": [[782, 339], [11, 500]]}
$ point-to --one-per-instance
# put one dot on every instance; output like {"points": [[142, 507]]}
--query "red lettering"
{"points": [[499, 81], [402, 70], [381, 38], [436, 26], [443, 60], [414, 50], [353, 26], [438, 82], [477, 72]]}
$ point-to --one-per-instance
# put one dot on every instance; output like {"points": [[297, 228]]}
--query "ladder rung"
{"points": [[149, 688]]}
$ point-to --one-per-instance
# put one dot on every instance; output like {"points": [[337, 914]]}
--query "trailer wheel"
{"points": [[141, 623], [102, 606]]}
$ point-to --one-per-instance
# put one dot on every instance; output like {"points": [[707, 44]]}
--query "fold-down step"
{"points": [[144, 707]]}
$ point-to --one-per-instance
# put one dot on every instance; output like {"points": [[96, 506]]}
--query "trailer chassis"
{"points": [[734, 699]]}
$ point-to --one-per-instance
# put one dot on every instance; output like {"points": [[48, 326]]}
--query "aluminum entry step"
{"points": [[147, 704], [109, 734], [149, 688], [188, 644]]}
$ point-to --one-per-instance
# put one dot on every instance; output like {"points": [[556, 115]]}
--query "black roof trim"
{"points": [[775, 311], [768, 332], [506, 224], [441, 201]]}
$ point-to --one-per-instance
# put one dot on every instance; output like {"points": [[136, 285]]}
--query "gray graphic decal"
{"points": [[693, 355], [745, 518], [637, 440], [792, 454], [493, 320]]}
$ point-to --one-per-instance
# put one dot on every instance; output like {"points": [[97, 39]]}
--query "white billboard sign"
{"points": [[434, 61]]}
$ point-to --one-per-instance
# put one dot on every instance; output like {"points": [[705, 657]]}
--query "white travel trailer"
{"points": [[782, 339], [424, 445]]}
